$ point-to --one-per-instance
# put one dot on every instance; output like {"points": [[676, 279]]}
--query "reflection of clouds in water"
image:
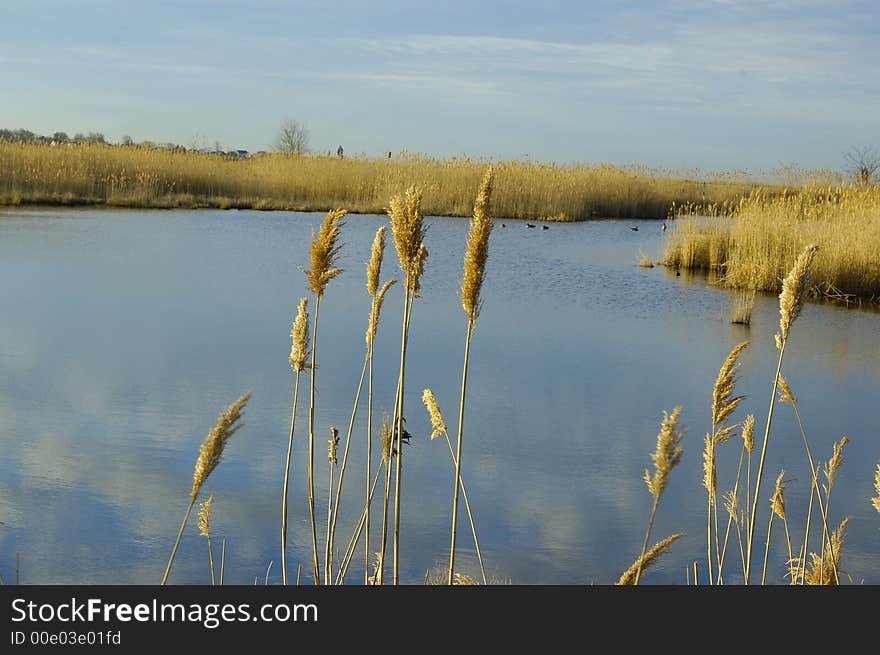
{"points": [[99, 436]]}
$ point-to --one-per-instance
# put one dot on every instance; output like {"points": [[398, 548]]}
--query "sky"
{"points": [[711, 84]]}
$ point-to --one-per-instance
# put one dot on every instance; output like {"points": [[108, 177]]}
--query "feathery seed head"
{"points": [[323, 252], [374, 268], [385, 438], [822, 567], [378, 299], [434, 413], [748, 433], [777, 500], [709, 476], [785, 394], [629, 576], [666, 455], [794, 288], [477, 250], [205, 517], [731, 504], [833, 466], [332, 444], [212, 448], [722, 402], [299, 336], [408, 228]]}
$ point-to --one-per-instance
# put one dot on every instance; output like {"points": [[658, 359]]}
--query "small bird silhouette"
{"points": [[503, 225], [529, 225], [544, 227], [634, 228], [663, 227]]}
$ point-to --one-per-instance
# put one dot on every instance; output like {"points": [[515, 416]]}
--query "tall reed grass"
{"points": [[131, 176], [754, 242]]}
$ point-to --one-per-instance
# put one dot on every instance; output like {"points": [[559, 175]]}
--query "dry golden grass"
{"points": [[629, 576], [743, 304], [644, 261], [120, 176], [757, 244]]}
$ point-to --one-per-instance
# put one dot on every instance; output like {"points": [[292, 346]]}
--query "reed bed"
{"points": [[133, 176], [753, 243]]}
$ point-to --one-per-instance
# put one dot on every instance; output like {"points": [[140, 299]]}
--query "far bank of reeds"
{"points": [[140, 177], [754, 242]]}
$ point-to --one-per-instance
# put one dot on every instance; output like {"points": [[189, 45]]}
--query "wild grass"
{"points": [[743, 304], [753, 243], [132, 176], [644, 261]]}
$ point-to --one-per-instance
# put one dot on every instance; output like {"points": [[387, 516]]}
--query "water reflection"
{"points": [[125, 333]]}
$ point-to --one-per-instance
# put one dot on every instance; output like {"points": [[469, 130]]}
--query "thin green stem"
{"points": [[329, 520], [355, 537], [730, 516], [767, 548], [751, 534], [645, 545], [367, 493], [399, 436], [287, 482], [464, 372], [467, 506], [211, 560], [338, 499], [192, 502], [222, 561], [315, 566]]}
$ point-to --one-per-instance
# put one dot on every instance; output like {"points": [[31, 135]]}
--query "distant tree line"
{"points": [[61, 138], [26, 136]]}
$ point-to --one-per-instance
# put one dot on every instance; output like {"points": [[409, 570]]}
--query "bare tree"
{"points": [[293, 137], [863, 163]]}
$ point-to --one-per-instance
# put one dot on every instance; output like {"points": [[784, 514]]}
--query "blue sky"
{"points": [[713, 84]]}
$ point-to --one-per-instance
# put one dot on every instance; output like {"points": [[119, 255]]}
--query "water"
{"points": [[125, 333]]}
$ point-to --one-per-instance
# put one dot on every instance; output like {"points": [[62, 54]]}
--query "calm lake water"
{"points": [[125, 333]]}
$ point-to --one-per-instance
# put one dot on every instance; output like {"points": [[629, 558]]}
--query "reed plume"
{"points": [[477, 250], [299, 337], [437, 422], [794, 290], [374, 266], [791, 299], [631, 575], [299, 353], [475, 258], [723, 405], [666, 457], [438, 426], [876, 500], [373, 325], [408, 229], [210, 454], [823, 568], [785, 394], [205, 530], [323, 252]]}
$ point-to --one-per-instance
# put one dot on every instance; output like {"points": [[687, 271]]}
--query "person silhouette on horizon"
{"points": [[339, 152]]}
